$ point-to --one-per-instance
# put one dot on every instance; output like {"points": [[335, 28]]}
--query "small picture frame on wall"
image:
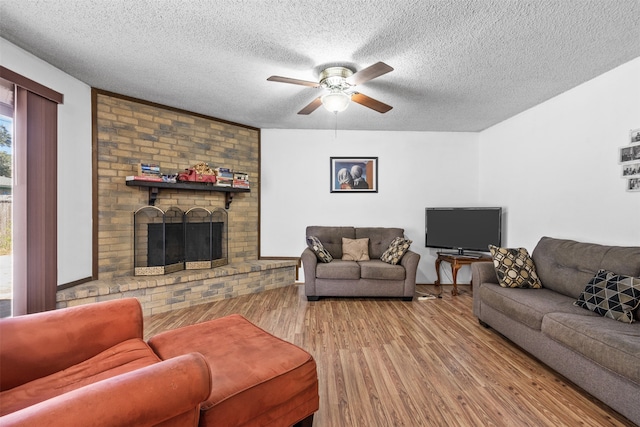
{"points": [[634, 135], [631, 170], [354, 174], [629, 153], [633, 184]]}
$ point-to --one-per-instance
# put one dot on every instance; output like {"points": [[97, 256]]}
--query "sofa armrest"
{"points": [[481, 272], [37, 345], [145, 397], [309, 263], [410, 262]]}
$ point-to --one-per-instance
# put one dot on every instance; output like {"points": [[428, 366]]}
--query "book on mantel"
{"points": [[241, 180], [224, 177], [149, 169], [144, 178]]}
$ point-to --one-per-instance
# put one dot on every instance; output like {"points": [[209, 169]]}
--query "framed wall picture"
{"points": [[633, 184], [631, 169], [629, 153], [354, 174]]}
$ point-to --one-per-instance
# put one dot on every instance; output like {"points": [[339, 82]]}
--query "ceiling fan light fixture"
{"points": [[338, 84], [336, 101]]}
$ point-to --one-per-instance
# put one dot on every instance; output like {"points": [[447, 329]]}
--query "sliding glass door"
{"points": [[7, 92], [34, 252]]}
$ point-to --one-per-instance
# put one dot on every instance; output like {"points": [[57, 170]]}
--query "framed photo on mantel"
{"points": [[354, 174]]}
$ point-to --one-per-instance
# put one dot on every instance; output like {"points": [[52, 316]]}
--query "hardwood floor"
{"points": [[385, 362]]}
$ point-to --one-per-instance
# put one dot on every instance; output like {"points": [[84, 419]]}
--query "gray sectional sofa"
{"points": [[345, 278], [599, 354]]}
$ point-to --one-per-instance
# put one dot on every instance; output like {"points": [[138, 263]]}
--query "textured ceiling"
{"points": [[460, 65]]}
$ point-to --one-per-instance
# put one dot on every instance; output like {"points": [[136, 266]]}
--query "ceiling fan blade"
{"points": [[293, 81], [312, 106], [368, 102], [369, 73]]}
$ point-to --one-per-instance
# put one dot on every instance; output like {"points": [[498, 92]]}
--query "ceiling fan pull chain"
{"points": [[336, 130]]}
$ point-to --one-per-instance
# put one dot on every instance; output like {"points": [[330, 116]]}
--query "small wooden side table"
{"points": [[456, 262]]}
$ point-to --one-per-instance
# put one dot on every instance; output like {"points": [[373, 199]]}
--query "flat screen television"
{"points": [[463, 229]]}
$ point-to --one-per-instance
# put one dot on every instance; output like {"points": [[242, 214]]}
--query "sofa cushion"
{"points": [[528, 306], [611, 295], [338, 269], [514, 268], [331, 237], [379, 238], [566, 265], [318, 248], [396, 250], [355, 249], [127, 356], [614, 345], [377, 269]]}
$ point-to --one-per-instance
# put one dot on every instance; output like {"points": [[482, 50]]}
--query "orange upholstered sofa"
{"points": [[89, 366]]}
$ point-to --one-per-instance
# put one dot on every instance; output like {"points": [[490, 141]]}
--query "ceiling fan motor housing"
{"points": [[335, 78]]}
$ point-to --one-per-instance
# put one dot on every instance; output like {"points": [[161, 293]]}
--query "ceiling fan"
{"points": [[339, 84]]}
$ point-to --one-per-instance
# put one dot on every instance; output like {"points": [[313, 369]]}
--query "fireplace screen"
{"points": [[205, 238], [165, 242]]}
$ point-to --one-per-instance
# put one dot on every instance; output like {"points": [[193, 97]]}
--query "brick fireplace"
{"points": [[130, 131]]}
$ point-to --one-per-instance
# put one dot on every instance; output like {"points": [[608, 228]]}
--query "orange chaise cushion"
{"points": [[125, 357], [257, 378]]}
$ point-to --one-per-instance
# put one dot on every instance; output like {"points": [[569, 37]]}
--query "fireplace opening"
{"points": [[170, 241]]}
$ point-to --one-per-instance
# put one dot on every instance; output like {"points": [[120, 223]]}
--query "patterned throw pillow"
{"points": [[316, 246], [514, 268], [397, 248], [355, 249], [611, 295]]}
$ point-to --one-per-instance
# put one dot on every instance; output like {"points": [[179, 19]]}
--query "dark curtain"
{"points": [[35, 195]]}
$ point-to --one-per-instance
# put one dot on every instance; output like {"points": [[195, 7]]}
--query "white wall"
{"points": [[555, 166], [74, 159], [554, 169], [416, 170]]}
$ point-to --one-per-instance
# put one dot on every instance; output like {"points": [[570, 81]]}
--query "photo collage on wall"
{"points": [[630, 161]]}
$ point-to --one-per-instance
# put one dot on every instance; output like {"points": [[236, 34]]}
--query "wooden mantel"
{"points": [[154, 188]]}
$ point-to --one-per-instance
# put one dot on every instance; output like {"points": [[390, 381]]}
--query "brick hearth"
{"points": [[183, 289]]}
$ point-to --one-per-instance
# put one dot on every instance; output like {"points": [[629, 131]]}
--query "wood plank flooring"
{"points": [[385, 362]]}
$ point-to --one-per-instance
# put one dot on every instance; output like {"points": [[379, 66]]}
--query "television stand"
{"points": [[461, 254], [456, 261]]}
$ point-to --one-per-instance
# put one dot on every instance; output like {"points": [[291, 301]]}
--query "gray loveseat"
{"points": [[373, 278], [599, 354]]}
